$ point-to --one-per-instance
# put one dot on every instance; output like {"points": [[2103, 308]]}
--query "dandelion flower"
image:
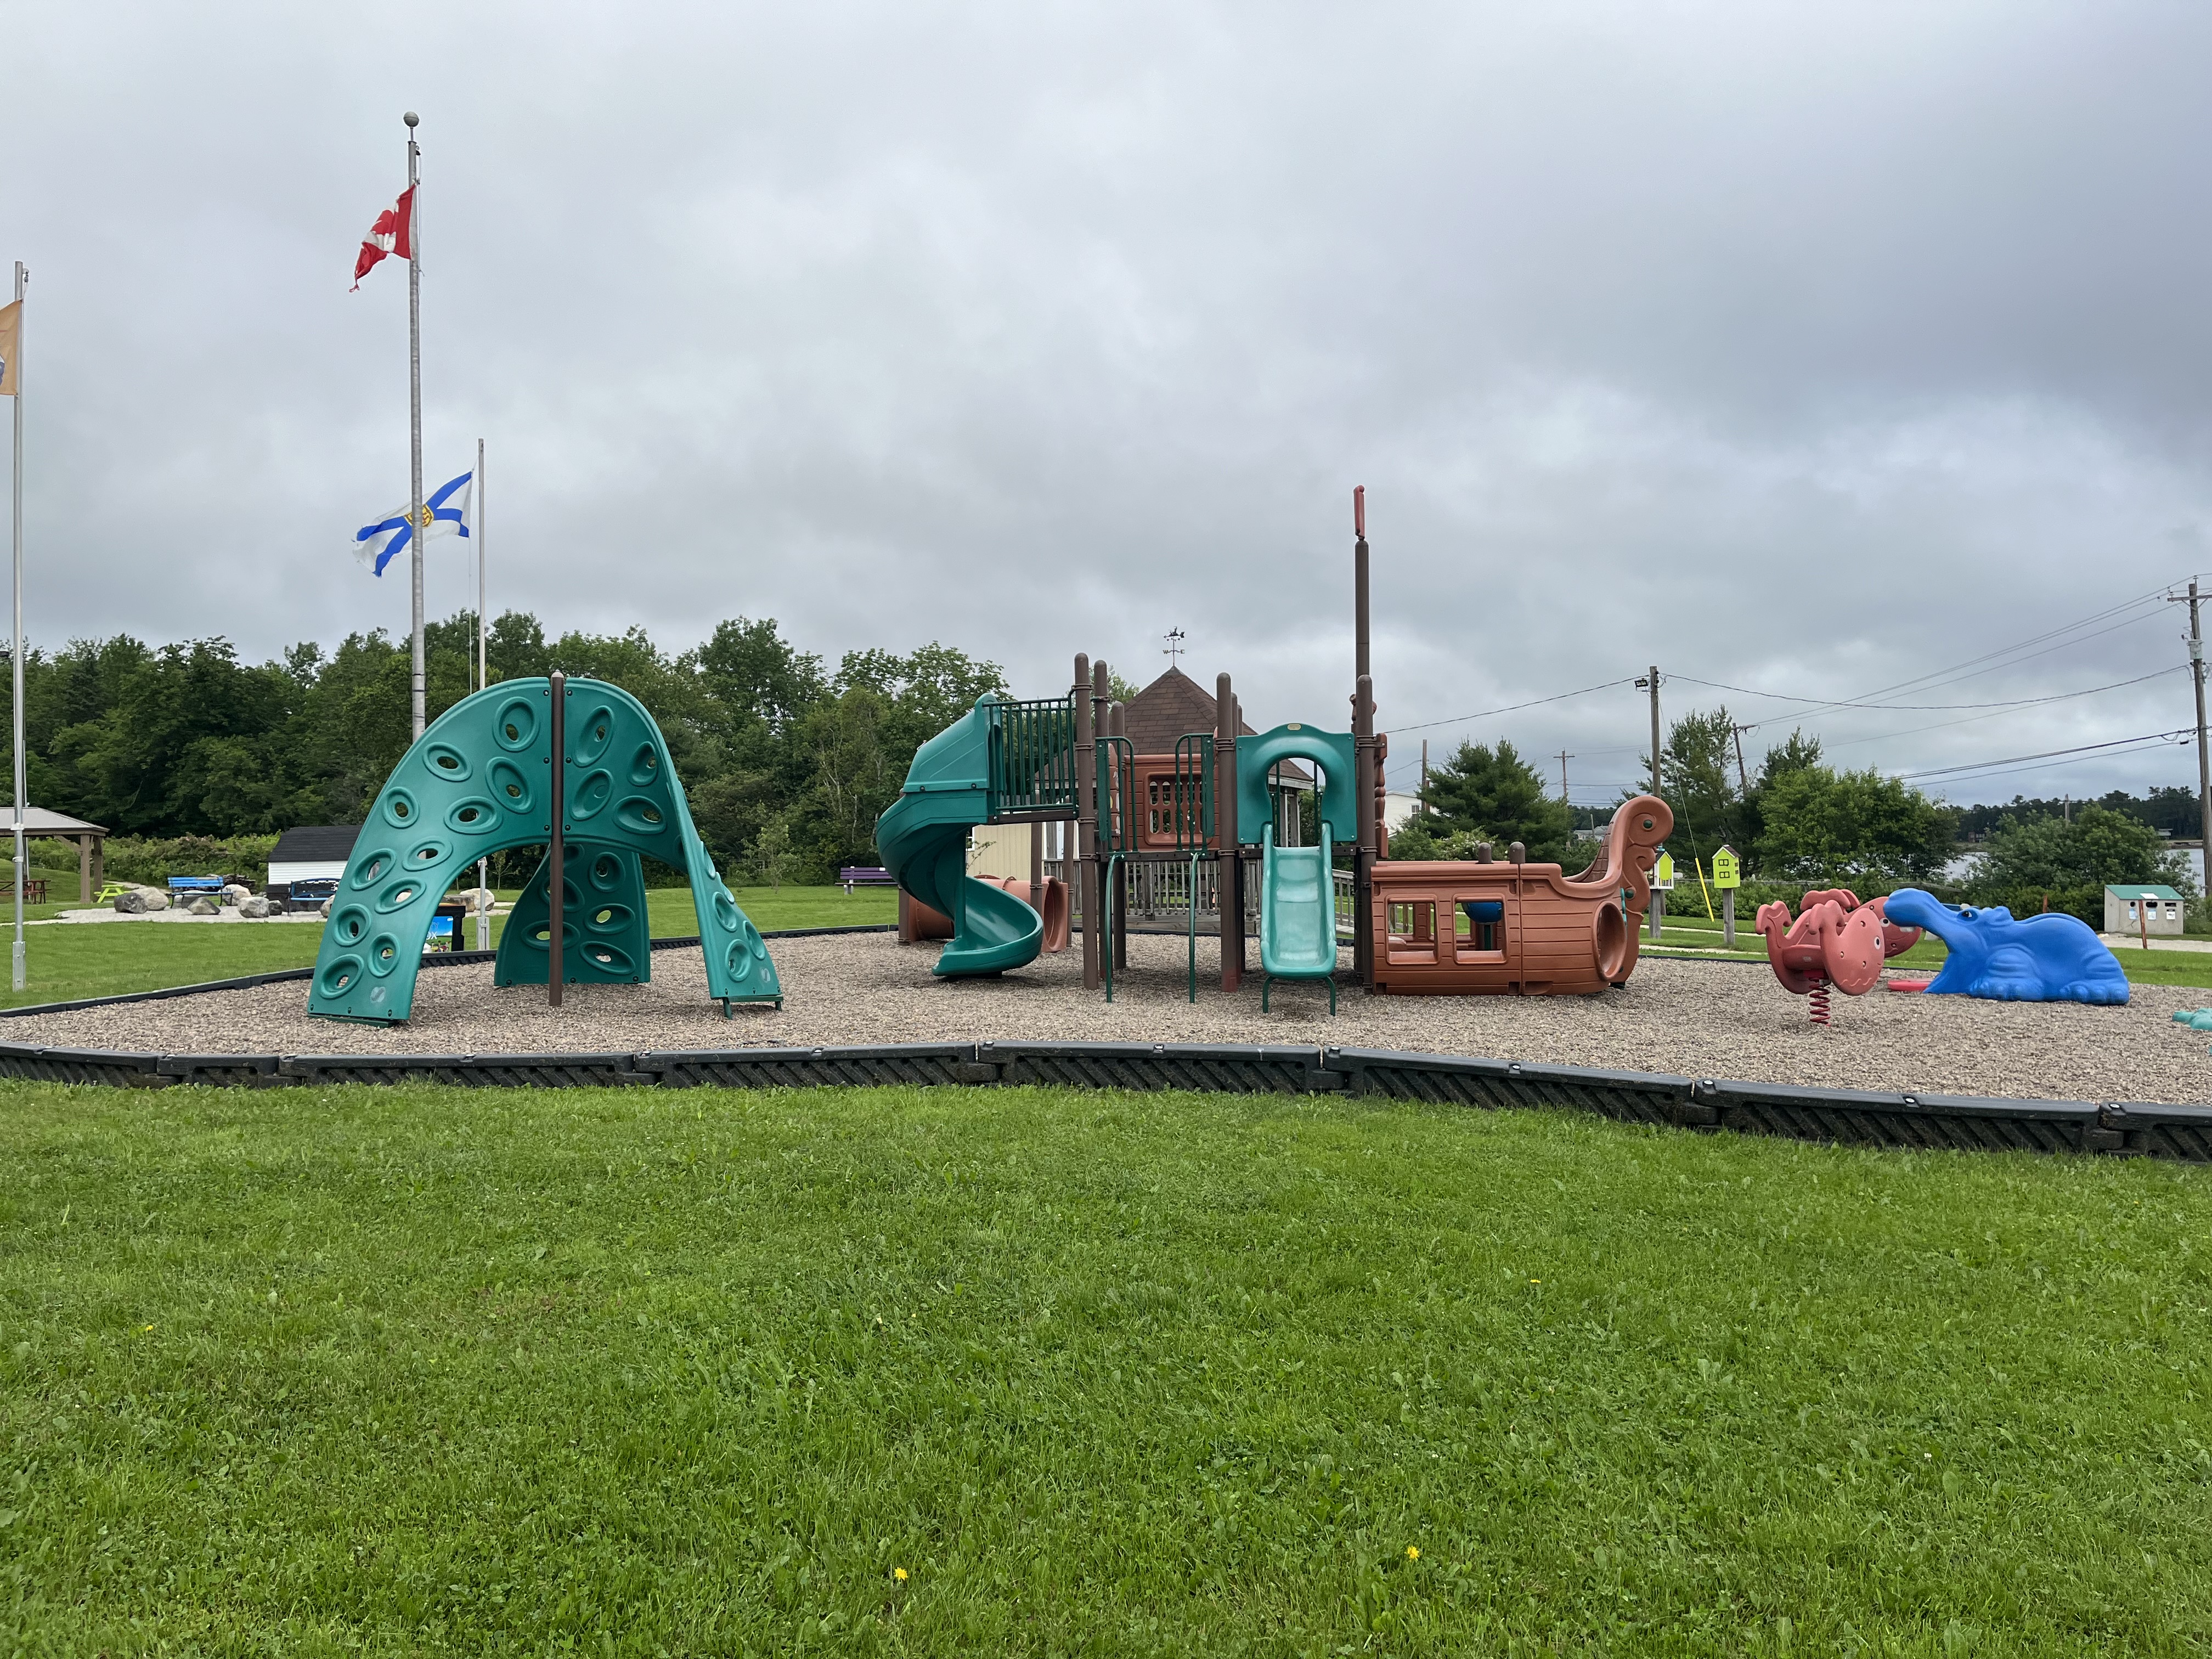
{"points": [[899, 1573], [1412, 1552], [1535, 1281], [148, 1327]]}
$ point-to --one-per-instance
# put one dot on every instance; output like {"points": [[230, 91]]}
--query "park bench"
{"points": [[864, 875]]}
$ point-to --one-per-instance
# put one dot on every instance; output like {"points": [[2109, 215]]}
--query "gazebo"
{"points": [[91, 841]]}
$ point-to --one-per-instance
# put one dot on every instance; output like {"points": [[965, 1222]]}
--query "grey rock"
{"points": [[254, 908], [202, 907], [235, 894], [141, 901]]}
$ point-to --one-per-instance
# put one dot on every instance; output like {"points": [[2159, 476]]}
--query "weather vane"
{"points": [[1173, 647]]}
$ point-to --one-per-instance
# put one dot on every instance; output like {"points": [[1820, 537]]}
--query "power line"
{"points": [[1930, 707], [1513, 708], [2079, 749]]}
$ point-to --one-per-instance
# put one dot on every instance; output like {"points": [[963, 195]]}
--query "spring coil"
{"points": [[1819, 997]]}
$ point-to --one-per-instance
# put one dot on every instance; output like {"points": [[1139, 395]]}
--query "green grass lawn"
{"points": [[72, 960], [645, 1372]]}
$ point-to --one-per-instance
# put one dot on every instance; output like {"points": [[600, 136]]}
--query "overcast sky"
{"points": [[1803, 350]]}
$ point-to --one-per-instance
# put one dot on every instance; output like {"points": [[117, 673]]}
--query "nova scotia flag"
{"points": [[445, 512]]}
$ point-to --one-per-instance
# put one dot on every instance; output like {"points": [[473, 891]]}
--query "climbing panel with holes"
{"points": [[479, 783]]}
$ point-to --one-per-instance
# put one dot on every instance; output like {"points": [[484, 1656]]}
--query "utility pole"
{"points": [[1563, 758], [1425, 777], [2204, 762], [1742, 783]]}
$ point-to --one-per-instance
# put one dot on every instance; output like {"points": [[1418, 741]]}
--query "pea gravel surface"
{"points": [[1722, 1019]]}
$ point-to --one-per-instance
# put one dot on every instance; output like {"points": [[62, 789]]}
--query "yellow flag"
{"points": [[11, 337]]}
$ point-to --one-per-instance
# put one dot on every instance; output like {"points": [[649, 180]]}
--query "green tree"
{"points": [[2098, 847], [1482, 793], [1700, 785], [1821, 825]]}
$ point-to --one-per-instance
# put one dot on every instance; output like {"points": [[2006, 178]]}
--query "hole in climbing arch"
{"points": [[446, 762], [645, 766], [593, 732], [516, 724], [367, 875], [399, 807], [399, 894], [510, 787], [606, 870], [430, 851], [639, 814], [339, 975], [474, 813], [590, 795], [383, 954], [725, 912], [351, 923]]}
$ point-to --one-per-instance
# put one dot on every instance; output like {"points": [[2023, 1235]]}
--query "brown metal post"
{"points": [[556, 806], [1087, 822], [1230, 883], [1363, 750]]}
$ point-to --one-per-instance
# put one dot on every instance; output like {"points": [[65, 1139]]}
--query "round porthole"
{"points": [[340, 975], [589, 795], [383, 955], [429, 853], [644, 766], [639, 815], [606, 870], [399, 808], [349, 924], [472, 816], [367, 875]]}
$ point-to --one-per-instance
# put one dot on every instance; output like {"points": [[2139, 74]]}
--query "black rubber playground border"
{"points": [[1838, 1116]]}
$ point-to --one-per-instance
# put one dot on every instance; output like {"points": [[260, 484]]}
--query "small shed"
{"points": [[2133, 909], [91, 841], [311, 853]]}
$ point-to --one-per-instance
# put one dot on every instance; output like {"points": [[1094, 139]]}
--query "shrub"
{"points": [[151, 863]]}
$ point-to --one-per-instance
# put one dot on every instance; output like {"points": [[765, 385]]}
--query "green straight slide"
{"points": [[1297, 914], [923, 837]]}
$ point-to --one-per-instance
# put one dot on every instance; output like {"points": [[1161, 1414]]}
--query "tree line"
{"points": [[786, 761], [1799, 822]]}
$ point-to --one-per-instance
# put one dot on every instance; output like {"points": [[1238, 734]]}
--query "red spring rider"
{"points": [[1835, 940]]}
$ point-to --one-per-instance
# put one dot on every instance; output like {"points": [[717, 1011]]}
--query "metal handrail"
{"points": [[1192, 830], [1117, 789]]}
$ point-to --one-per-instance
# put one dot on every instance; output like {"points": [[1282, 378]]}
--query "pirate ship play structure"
{"points": [[1204, 803]]}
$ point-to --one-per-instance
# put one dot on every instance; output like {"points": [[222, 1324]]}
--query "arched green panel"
{"points": [[477, 783], [605, 937], [1330, 751]]}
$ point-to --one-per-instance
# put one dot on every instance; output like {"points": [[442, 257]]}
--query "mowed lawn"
{"points": [[1042, 1371], [70, 960]]}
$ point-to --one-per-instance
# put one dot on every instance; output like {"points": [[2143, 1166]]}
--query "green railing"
{"points": [[1190, 800], [1117, 796], [1033, 756]]}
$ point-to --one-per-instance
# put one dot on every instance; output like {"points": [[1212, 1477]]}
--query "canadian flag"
{"points": [[393, 233]]}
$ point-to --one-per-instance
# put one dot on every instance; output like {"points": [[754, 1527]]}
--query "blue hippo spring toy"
{"points": [[1993, 953]]}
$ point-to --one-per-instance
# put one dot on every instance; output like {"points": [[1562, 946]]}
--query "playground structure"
{"points": [[1835, 940], [1517, 928], [2052, 958], [1507, 927], [484, 778]]}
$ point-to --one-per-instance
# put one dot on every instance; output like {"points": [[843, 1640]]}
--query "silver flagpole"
{"points": [[23, 281], [483, 865], [416, 527]]}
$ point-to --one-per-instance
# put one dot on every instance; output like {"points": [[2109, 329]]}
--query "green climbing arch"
{"points": [[478, 782]]}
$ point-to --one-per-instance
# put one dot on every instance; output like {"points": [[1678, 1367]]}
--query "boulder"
{"points": [[254, 908], [324, 913], [203, 905], [232, 893], [141, 901], [477, 899]]}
